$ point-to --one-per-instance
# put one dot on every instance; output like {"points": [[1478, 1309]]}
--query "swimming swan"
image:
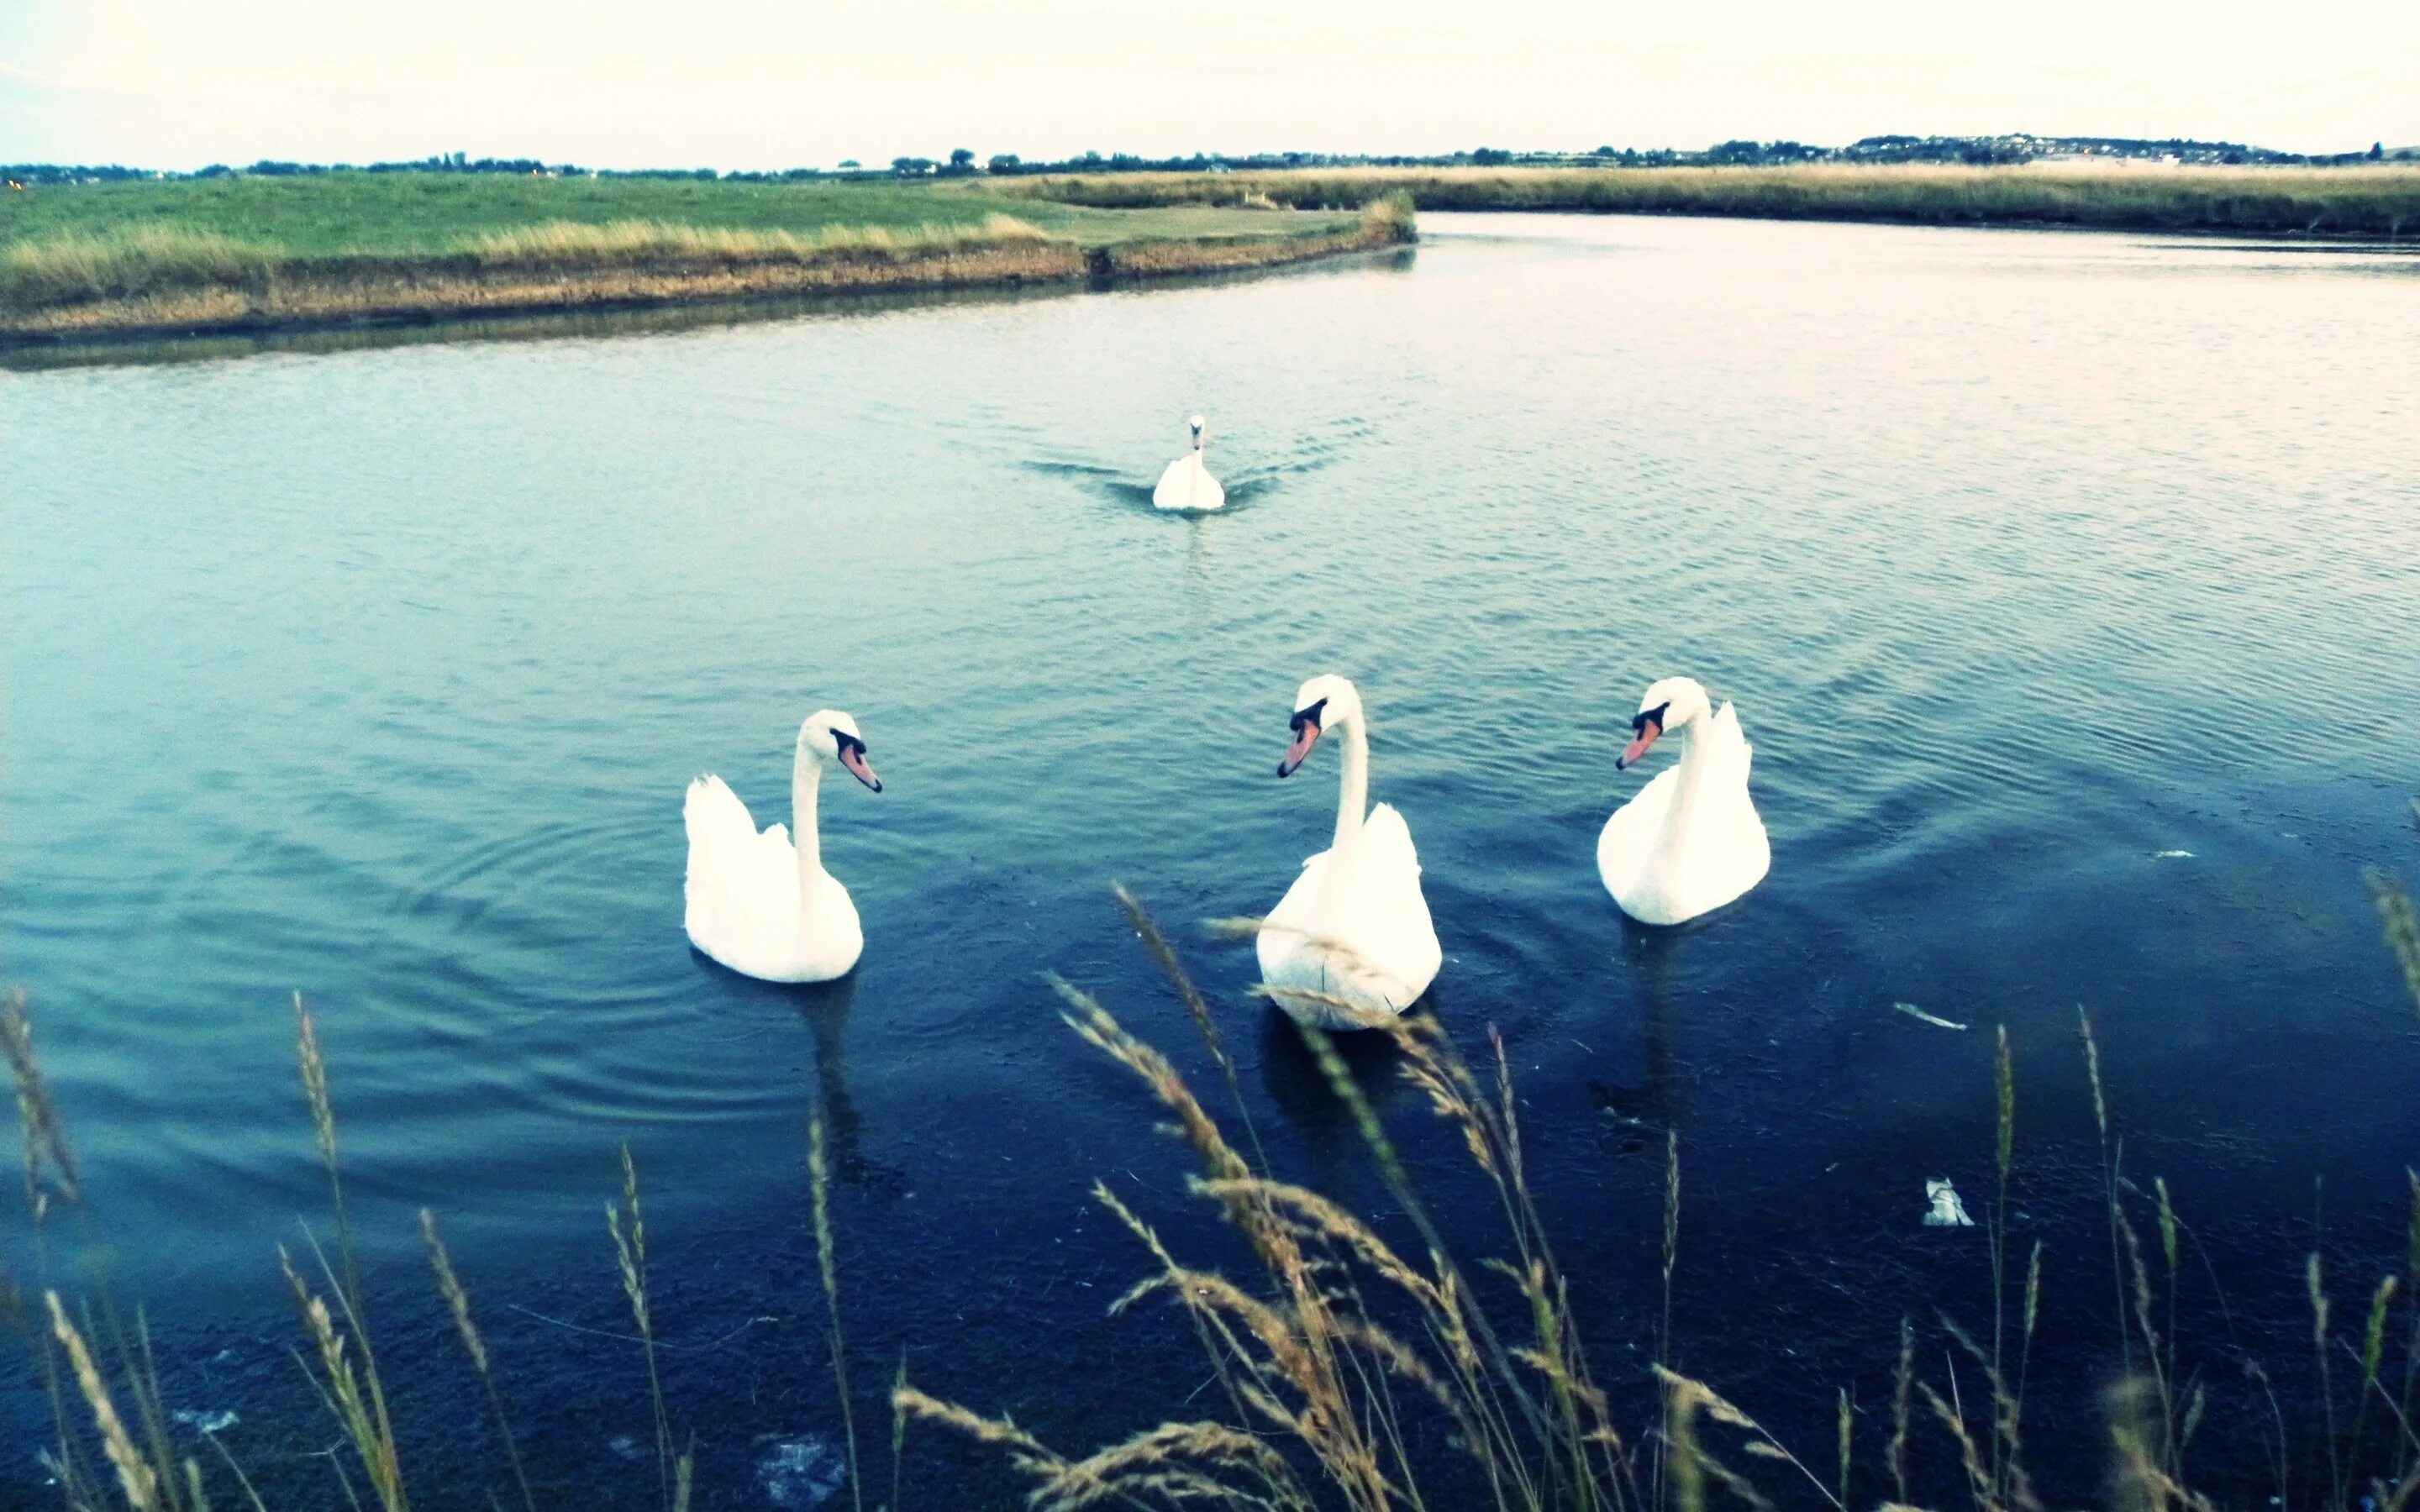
{"points": [[1353, 925], [1186, 483], [757, 904], [1690, 841]]}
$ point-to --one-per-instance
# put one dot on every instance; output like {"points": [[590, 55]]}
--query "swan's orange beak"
{"points": [[1306, 735], [1647, 728], [853, 757]]}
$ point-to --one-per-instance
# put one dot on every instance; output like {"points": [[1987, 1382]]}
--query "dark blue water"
{"points": [[2031, 561]]}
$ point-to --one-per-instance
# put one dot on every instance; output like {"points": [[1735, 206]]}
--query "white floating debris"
{"points": [[1922, 1017], [800, 1472], [1948, 1212], [205, 1423], [626, 1446], [2172, 855]]}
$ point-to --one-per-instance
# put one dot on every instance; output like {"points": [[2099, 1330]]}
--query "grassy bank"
{"points": [[227, 254], [2342, 202]]}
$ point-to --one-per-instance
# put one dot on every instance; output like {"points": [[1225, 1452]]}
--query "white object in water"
{"points": [[759, 904], [1948, 1212], [1186, 483], [1690, 840], [1355, 925], [2172, 855], [1915, 1013], [799, 1473]]}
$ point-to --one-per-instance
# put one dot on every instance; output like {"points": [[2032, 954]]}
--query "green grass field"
{"points": [[408, 214], [351, 245]]}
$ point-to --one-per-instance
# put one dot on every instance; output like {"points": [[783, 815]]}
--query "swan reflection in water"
{"points": [[824, 1008], [1642, 1112], [1301, 1089]]}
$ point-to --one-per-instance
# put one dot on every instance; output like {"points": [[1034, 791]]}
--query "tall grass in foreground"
{"points": [[1347, 1336], [1338, 1363]]}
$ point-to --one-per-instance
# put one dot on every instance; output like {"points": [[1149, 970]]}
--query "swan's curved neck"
{"points": [[1686, 785], [806, 776], [1353, 787]]}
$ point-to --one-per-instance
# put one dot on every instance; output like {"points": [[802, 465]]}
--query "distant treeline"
{"points": [[2016, 148]]}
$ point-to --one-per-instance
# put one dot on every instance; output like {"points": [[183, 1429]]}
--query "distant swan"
{"points": [[757, 904], [1186, 483], [1353, 926], [1691, 841]]}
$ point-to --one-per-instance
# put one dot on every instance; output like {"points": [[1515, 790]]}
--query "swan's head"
{"points": [[1668, 706], [1323, 704], [833, 736], [1200, 428]]}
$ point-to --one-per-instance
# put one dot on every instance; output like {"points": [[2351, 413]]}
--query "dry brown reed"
{"points": [[585, 244], [45, 1143], [1846, 1444], [2401, 927], [2004, 1084], [458, 1302], [343, 1389], [136, 1476], [2108, 1177], [629, 1236], [819, 1183], [371, 1428]]}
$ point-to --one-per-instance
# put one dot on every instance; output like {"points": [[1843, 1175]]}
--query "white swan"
{"points": [[758, 904], [1690, 841], [1353, 925], [1186, 483]]}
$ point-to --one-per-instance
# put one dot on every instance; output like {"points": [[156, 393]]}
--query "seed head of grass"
{"points": [[457, 1301], [2401, 927], [135, 1476], [46, 1137]]}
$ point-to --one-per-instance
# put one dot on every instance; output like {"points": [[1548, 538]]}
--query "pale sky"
{"points": [[758, 83]]}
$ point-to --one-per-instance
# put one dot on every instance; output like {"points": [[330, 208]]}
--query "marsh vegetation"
{"points": [[2383, 201]]}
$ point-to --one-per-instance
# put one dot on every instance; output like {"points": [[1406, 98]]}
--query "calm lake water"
{"points": [[2068, 586]]}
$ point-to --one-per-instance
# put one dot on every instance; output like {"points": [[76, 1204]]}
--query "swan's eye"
{"points": [[1304, 717], [847, 742], [1639, 721]]}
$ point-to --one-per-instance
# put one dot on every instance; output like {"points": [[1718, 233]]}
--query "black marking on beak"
{"points": [[1306, 728], [1645, 727], [846, 746]]}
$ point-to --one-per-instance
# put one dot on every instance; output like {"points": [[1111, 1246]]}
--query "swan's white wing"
{"points": [[1383, 912], [1728, 745], [1188, 484], [742, 888], [1356, 925]]}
